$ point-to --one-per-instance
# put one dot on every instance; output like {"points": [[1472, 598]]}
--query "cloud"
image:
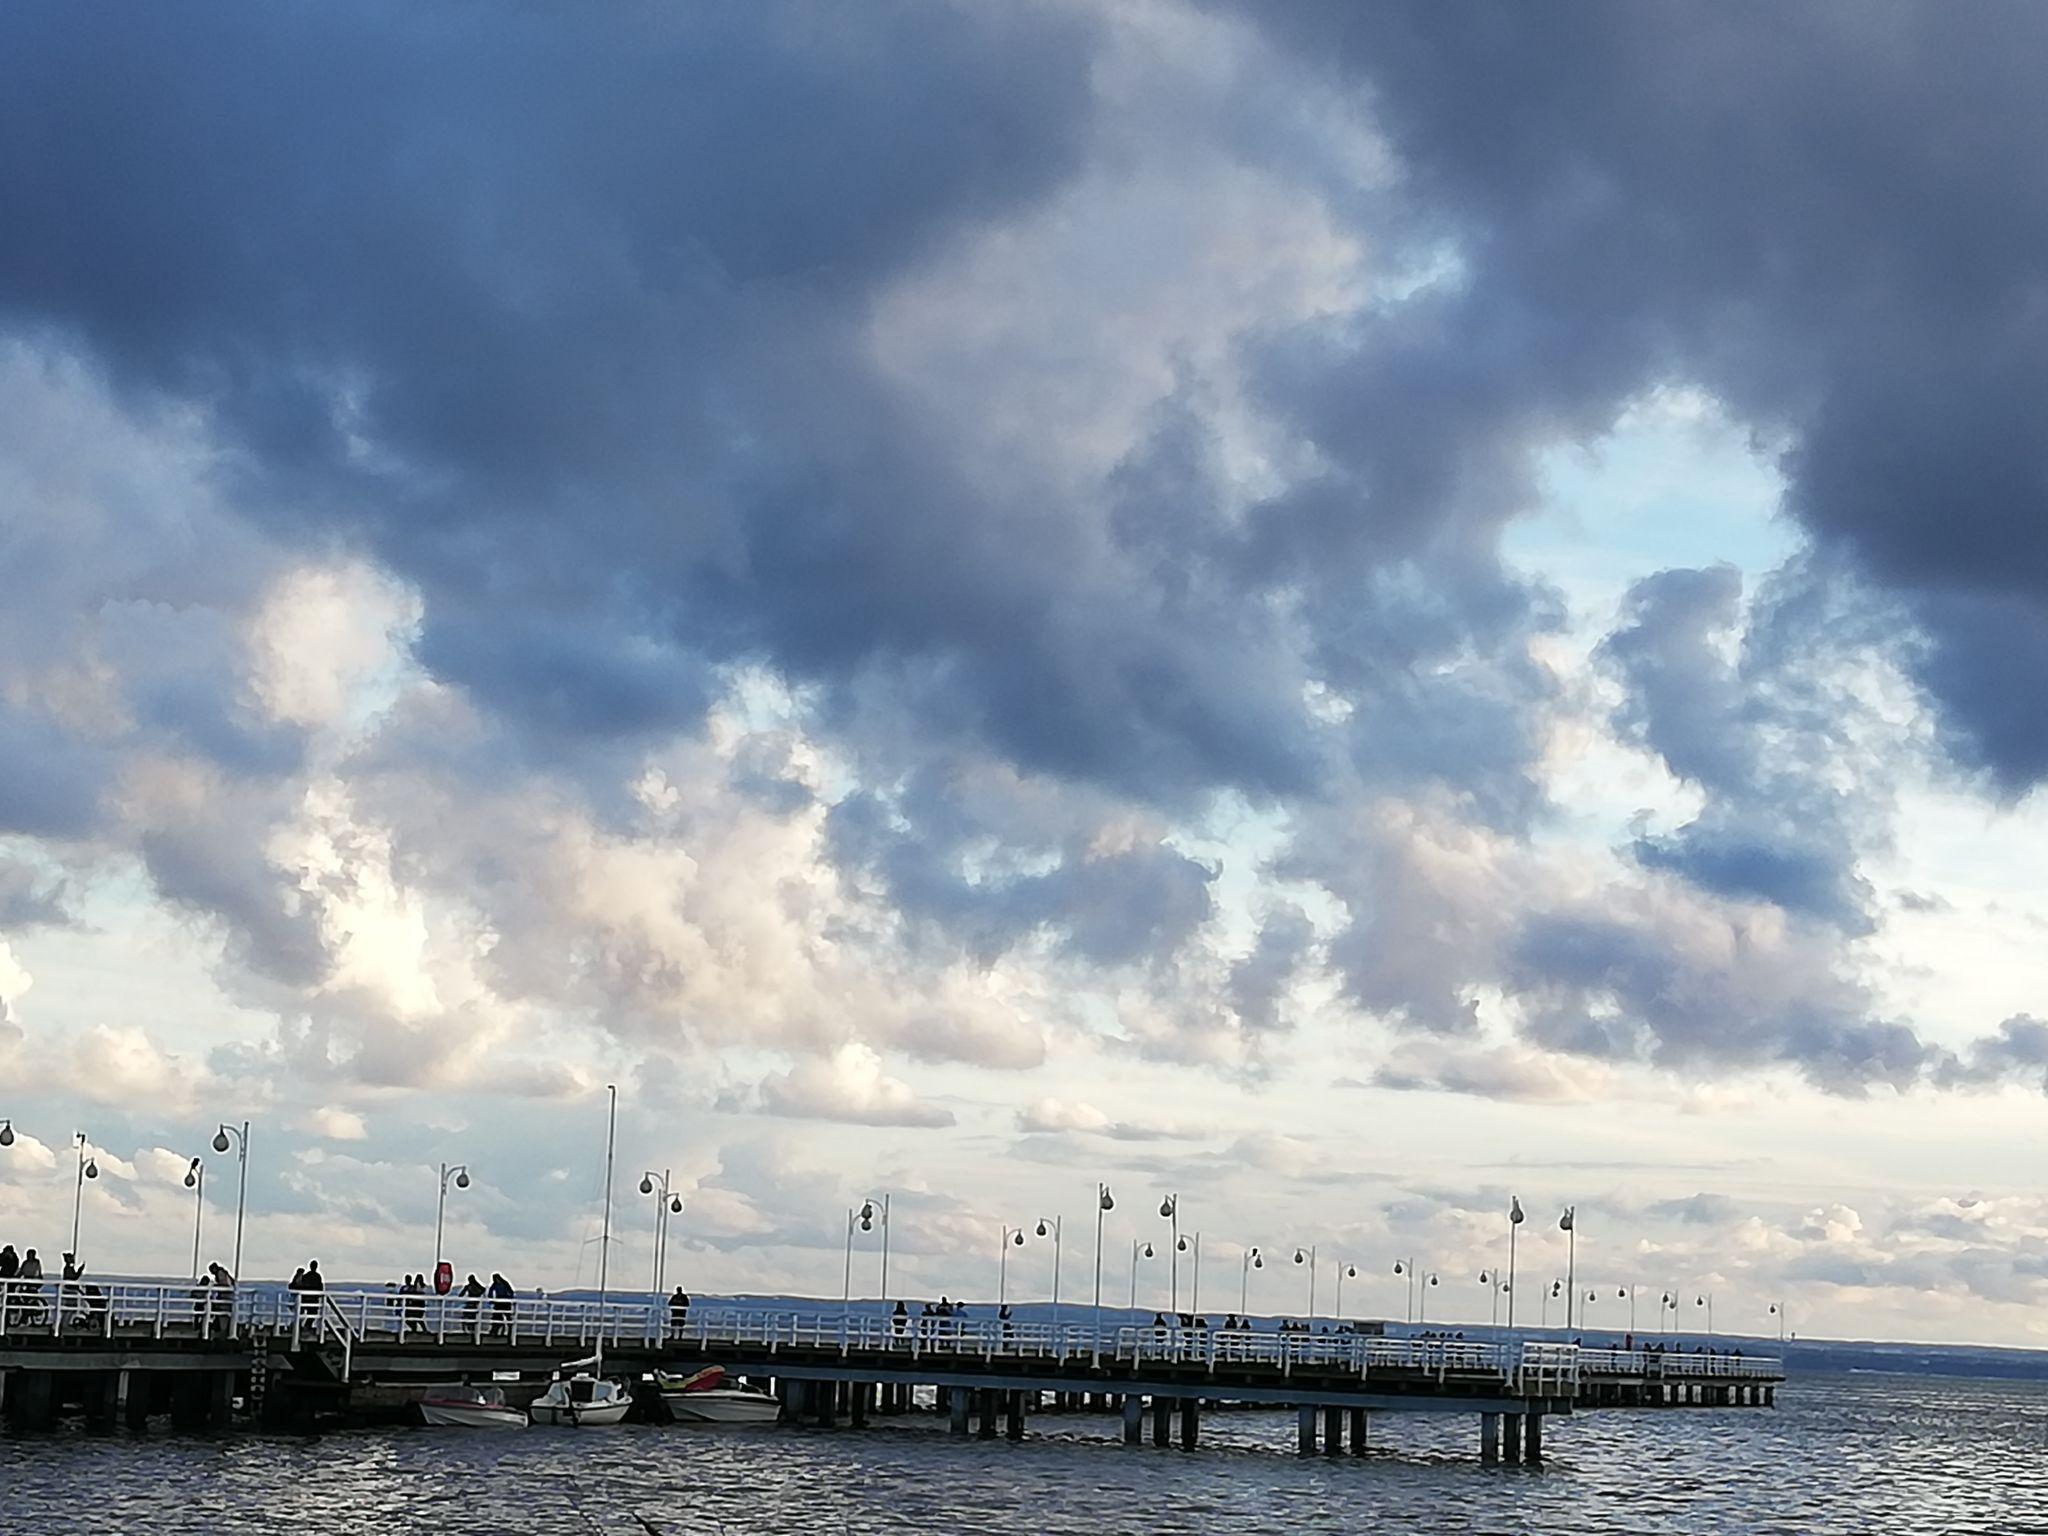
{"points": [[337, 1124], [1512, 1073], [1053, 1116], [851, 1086], [1785, 220]]}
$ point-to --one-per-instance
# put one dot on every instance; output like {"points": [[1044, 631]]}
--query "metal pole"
{"points": [[1571, 1270], [78, 1195], [1312, 1266], [1057, 1222], [885, 1247], [1511, 1273], [1100, 1189], [198, 1214], [241, 1198], [604, 1249], [1195, 1297], [846, 1292], [440, 1210]]}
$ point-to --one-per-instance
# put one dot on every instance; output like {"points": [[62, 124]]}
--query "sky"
{"points": [[1347, 612]]}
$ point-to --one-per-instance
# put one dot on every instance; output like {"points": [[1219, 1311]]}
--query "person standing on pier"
{"points": [[501, 1303], [473, 1289], [678, 1310]]}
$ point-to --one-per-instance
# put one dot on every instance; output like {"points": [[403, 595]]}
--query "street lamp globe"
{"points": [[1148, 1250], [1043, 1229], [6, 1133], [646, 1185], [462, 1179], [92, 1169], [1017, 1237], [675, 1203], [220, 1140], [1108, 1201]]}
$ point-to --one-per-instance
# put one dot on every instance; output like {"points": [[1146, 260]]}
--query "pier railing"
{"points": [[355, 1320]]}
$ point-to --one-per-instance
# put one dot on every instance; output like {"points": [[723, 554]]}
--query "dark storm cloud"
{"points": [[1110, 908], [1832, 216], [568, 323], [1747, 706]]}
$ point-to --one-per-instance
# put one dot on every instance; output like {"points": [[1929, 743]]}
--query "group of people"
{"points": [[24, 1291]]}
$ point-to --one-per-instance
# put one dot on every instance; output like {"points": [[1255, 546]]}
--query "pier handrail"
{"points": [[353, 1319]]}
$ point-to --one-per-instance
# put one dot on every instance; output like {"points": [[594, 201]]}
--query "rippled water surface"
{"points": [[1845, 1454]]}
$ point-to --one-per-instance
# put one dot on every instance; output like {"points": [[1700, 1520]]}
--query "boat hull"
{"points": [[580, 1414], [443, 1414], [722, 1406]]}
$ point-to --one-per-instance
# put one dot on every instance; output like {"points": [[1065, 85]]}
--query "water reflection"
{"points": [[1848, 1455]]}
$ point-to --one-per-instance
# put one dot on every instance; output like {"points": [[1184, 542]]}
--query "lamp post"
{"points": [[1778, 1311], [1105, 1202], [867, 1217], [1422, 1285], [1665, 1308], [1344, 1272], [669, 1204], [1490, 1278], [1568, 1224], [1193, 1245], [1308, 1257], [1630, 1292], [1053, 1227], [195, 1180], [1707, 1300], [1170, 1209], [459, 1172], [1556, 1289], [1253, 1259], [88, 1168], [1515, 1219], [1406, 1267], [1138, 1249], [241, 1145]]}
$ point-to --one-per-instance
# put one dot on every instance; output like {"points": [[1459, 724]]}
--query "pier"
{"points": [[125, 1350]]}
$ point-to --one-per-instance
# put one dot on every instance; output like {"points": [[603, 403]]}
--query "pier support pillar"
{"points": [[1134, 1419], [1534, 1424], [1770, 1397], [956, 1409], [1190, 1422], [135, 1400], [825, 1403], [985, 1427], [1333, 1431], [1489, 1439], [1305, 1430], [857, 1408], [102, 1400], [1162, 1420], [1013, 1415], [1511, 1438], [32, 1400], [1358, 1431]]}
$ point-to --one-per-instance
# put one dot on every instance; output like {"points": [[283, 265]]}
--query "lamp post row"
{"points": [[873, 1213]]}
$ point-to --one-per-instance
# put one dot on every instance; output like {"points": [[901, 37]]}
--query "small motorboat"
{"points": [[470, 1408], [582, 1399], [704, 1398]]}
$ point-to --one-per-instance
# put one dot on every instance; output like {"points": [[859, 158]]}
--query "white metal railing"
{"points": [[106, 1308], [354, 1318], [1687, 1364], [1546, 1370]]}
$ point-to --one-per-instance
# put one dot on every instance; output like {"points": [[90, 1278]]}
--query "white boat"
{"points": [[470, 1408], [705, 1399], [581, 1399]]}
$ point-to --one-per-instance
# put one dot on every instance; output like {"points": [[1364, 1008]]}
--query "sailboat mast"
{"points": [[604, 1247]]}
